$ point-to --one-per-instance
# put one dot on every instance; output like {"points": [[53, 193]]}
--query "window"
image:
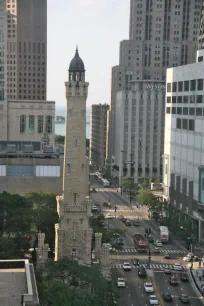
{"points": [[179, 110], [48, 124], [174, 99], [178, 123], [22, 123], [191, 125], [185, 124], [192, 99], [193, 85], [200, 59], [186, 85], [180, 86], [200, 84], [199, 111], [199, 99], [185, 99], [40, 124], [185, 110], [31, 124], [192, 111], [173, 110], [168, 100], [174, 87], [179, 99], [168, 87], [168, 110]]}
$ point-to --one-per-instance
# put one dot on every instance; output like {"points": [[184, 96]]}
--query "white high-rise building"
{"points": [[162, 34], [73, 234], [183, 158]]}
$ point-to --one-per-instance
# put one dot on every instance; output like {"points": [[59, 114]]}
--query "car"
{"points": [[135, 262], [142, 272], [151, 239], [173, 281], [167, 256], [157, 251], [121, 217], [136, 223], [184, 277], [121, 282], [128, 223], [112, 249], [167, 271], [178, 267], [109, 216], [167, 297], [127, 266], [153, 300], [184, 298], [148, 287], [124, 220], [158, 243]]}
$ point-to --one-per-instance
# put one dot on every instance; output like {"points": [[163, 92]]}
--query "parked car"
{"points": [[184, 277], [153, 300], [121, 217], [167, 297], [136, 223], [128, 223], [121, 282], [109, 216], [184, 299], [173, 281], [148, 287], [127, 266], [178, 267]]}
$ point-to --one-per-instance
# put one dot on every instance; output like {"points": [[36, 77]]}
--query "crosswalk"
{"points": [[152, 266], [131, 250], [127, 209]]}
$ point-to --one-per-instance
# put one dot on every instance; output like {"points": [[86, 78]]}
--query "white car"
{"points": [[178, 267], [153, 300], [112, 249], [148, 287], [127, 266], [158, 243], [108, 216], [120, 282]]}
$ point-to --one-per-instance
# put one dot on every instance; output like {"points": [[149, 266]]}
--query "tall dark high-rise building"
{"points": [[201, 30], [162, 34]]}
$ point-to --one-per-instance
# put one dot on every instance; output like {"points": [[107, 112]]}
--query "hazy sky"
{"points": [[97, 26]]}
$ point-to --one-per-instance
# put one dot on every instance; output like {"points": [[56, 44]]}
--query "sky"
{"points": [[97, 26]]}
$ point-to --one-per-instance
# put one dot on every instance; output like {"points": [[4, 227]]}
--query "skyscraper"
{"points": [[161, 34], [201, 30], [25, 113]]}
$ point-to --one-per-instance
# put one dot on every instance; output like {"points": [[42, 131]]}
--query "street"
{"points": [[134, 293]]}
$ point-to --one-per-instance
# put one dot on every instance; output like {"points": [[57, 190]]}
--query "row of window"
{"points": [[189, 85], [192, 111], [185, 124], [185, 99], [42, 125]]}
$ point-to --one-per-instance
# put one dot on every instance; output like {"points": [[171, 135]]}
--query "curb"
{"points": [[195, 285]]}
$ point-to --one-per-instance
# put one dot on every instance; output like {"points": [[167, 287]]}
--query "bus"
{"points": [[164, 234], [141, 244]]}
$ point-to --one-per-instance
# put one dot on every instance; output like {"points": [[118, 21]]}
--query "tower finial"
{"points": [[77, 48]]}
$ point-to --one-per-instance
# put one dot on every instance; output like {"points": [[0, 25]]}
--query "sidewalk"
{"points": [[197, 274]]}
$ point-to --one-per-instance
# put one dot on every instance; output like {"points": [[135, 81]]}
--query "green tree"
{"points": [[59, 139], [66, 283]]}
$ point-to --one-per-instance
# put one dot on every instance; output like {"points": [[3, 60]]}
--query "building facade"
{"points": [[139, 129], [162, 34], [183, 159], [98, 134], [73, 236], [24, 112], [30, 166], [201, 30]]}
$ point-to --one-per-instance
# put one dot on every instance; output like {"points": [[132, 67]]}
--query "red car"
{"points": [[173, 281], [157, 251]]}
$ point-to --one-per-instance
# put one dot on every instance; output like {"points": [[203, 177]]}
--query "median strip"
{"points": [[161, 302]]}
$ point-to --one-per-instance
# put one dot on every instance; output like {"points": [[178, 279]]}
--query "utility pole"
{"points": [[131, 174], [122, 174]]}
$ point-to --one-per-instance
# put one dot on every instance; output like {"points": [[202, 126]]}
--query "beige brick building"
{"points": [[24, 112]]}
